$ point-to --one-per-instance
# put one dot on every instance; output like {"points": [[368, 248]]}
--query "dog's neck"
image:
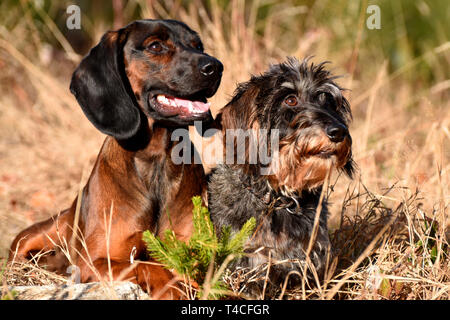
{"points": [[150, 153], [235, 179], [149, 134]]}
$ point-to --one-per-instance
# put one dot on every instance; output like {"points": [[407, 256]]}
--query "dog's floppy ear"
{"points": [[240, 112], [102, 88]]}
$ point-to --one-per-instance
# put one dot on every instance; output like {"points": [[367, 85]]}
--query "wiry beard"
{"points": [[304, 161]]}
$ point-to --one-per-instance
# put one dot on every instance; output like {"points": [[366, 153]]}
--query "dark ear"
{"points": [[102, 88], [240, 112]]}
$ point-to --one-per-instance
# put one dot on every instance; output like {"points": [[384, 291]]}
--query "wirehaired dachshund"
{"points": [[306, 115], [137, 85]]}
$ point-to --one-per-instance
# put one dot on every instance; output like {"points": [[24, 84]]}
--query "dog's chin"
{"points": [[172, 109], [308, 170], [306, 173]]}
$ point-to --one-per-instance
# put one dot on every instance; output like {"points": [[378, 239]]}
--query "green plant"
{"points": [[10, 295], [203, 250]]}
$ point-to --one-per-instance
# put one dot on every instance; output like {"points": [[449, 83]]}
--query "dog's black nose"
{"points": [[337, 133], [210, 67]]}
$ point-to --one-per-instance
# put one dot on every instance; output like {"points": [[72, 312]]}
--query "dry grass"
{"points": [[378, 252], [401, 145], [29, 274]]}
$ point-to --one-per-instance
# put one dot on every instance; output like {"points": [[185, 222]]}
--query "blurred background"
{"points": [[397, 76]]}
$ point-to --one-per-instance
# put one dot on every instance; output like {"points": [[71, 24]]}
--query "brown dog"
{"points": [[138, 85]]}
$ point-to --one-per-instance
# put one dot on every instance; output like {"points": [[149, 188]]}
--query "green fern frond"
{"points": [[236, 243], [203, 248]]}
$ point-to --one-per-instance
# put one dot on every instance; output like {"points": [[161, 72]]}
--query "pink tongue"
{"points": [[196, 105]]}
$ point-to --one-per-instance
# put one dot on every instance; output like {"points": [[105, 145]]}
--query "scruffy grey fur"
{"points": [[235, 197], [302, 101]]}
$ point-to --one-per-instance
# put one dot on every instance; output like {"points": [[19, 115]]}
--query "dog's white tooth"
{"points": [[161, 99]]}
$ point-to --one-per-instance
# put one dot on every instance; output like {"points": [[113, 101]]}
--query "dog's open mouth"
{"points": [[185, 108]]}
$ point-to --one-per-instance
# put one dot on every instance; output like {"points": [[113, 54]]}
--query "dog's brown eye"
{"points": [[291, 101], [155, 46]]}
